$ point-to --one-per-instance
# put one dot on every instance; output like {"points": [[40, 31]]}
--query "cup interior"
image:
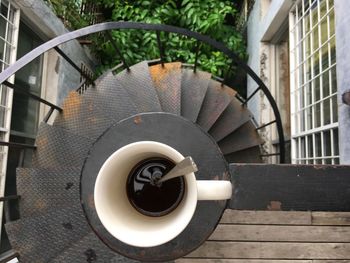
{"points": [[116, 212]]}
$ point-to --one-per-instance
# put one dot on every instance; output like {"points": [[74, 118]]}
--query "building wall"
{"points": [[342, 8], [263, 28], [265, 25], [61, 77]]}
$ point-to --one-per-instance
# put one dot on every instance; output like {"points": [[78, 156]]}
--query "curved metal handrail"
{"points": [[153, 27]]}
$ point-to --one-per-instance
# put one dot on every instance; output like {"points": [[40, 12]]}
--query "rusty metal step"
{"points": [[244, 137], [90, 249], [167, 82], [193, 89], [43, 189], [57, 147], [41, 238], [139, 85], [230, 120], [82, 117], [216, 100], [111, 97]]}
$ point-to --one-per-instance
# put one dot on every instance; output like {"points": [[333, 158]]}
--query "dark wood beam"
{"points": [[290, 187]]}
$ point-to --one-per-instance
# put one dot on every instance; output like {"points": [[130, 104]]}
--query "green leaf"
{"points": [[145, 3], [184, 2], [189, 6]]}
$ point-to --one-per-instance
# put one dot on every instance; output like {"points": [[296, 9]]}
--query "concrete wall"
{"points": [[266, 20], [60, 76], [342, 32], [253, 49]]}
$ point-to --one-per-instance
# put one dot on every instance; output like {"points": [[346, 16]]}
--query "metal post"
{"points": [[196, 57], [114, 45], [161, 49]]}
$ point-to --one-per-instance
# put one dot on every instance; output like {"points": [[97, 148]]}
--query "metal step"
{"points": [[42, 189], [244, 137], [139, 85], [57, 147], [39, 239], [231, 119], [215, 102], [250, 155], [83, 117], [193, 89], [167, 82], [111, 97], [90, 249]]}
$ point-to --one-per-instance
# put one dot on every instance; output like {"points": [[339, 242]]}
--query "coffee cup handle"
{"points": [[214, 190]]}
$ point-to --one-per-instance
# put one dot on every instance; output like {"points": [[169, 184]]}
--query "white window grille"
{"points": [[9, 24], [314, 109]]}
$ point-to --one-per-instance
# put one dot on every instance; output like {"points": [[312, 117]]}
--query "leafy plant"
{"points": [[209, 17], [69, 11]]}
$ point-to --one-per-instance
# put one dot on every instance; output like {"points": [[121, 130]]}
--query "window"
{"points": [[9, 22], [314, 119]]}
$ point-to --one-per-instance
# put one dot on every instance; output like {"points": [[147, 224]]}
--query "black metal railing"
{"points": [[201, 39]]}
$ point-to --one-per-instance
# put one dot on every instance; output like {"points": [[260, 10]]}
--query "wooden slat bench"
{"points": [[277, 237]]}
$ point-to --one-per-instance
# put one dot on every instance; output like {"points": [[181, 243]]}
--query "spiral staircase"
{"points": [[52, 225]]}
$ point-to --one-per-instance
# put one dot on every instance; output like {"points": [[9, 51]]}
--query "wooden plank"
{"points": [[326, 234], [331, 261], [323, 218], [272, 250], [266, 217], [202, 260], [290, 187]]}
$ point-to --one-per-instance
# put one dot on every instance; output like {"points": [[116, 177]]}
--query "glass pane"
{"points": [[318, 145], [3, 95], [303, 147], [335, 108], [316, 60], [326, 112], [325, 58], [302, 121], [2, 27], [301, 98], [334, 79], [310, 147], [317, 115], [315, 38], [325, 84], [327, 143], [4, 10], [324, 30], [309, 118], [308, 99], [323, 8], [25, 110], [332, 50], [317, 89], [336, 142], [331, 23], [2, 116]]}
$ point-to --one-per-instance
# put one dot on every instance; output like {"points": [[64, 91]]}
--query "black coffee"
{"points": [[147, 195]]}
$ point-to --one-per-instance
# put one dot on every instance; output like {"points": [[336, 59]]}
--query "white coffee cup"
{"points": [[123, 221]]}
